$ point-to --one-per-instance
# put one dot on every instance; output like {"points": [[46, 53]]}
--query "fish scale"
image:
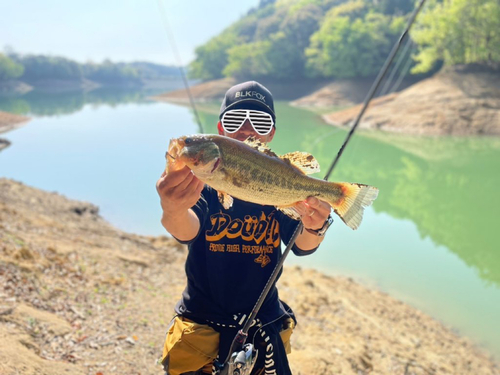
{"points": [[266, 176]]}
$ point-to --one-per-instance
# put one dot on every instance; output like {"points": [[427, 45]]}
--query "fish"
{"points": [[252, 172]]}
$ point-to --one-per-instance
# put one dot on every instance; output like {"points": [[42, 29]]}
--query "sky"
{"points": [[121, 30]]}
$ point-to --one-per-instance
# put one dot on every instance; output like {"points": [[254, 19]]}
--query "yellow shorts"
{"points": [[190, 346]]}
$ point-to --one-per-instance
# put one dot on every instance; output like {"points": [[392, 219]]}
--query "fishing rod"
{"points": [[238, 359], [171, 39]]}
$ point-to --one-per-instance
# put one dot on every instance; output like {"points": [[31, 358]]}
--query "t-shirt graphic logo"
{"points": [[263, 259], [263, 229]]}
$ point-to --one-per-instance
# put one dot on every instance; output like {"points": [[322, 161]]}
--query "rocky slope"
{"points": [[82, 297], [462, 101]]}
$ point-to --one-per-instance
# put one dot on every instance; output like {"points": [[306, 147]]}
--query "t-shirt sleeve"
{"points": [[287, 228], [201, 211]]}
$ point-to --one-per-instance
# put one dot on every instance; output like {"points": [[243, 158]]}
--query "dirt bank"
{"points": [[13, 88], [462, 101], [9, 121], [343, 93], [79, 296], [214, 91]]}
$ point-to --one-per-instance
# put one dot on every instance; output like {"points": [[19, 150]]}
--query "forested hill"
{"points": [[33, 69], [301, 39]]}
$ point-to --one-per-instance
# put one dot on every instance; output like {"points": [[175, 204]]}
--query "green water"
{"points": [[430, 238]]}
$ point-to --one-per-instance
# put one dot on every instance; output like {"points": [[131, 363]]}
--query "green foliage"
{"points": [[212, 57], [458, 32], [9, 69], [248, 59], [110, 73], [286, 39], [397, 7], [48, 67], [352, 42], [36, 68]]}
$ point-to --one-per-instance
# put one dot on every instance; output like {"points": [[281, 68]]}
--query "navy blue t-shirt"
{"points": [[231, 259]]}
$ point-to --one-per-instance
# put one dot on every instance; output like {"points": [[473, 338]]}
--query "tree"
{"points": [[458, 32], [9, 69], [249, 59], [37, 67], [212, 57], [352, 42], [111, 73]]}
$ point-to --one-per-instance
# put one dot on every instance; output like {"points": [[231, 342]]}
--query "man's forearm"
{"points": [[183, 225], [307, 241]]}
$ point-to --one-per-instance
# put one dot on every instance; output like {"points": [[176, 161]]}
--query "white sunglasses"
{"points": [[233, 120]]}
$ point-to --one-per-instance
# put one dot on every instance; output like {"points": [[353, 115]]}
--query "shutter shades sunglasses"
{"points": [[232, 120]]}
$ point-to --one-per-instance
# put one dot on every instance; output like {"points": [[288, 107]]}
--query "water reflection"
{"points": [[37, 103], [446, 187]]}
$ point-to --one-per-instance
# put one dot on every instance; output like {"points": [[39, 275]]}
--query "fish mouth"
{"points": [[216, 164]]}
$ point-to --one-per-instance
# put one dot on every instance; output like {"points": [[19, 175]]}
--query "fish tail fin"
{"points": [[352, 203]]}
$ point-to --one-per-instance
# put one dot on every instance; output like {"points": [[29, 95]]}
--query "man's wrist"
{"points": [[320, 232]]}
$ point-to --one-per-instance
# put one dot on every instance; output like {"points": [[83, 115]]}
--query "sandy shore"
{"points": [[82, 297], [9, 121]]}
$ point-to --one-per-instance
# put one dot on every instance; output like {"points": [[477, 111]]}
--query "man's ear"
{"points": [[271, 134], [219, 128]]}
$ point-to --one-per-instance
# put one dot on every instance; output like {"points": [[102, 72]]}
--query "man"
{"points": [[227, 270]]}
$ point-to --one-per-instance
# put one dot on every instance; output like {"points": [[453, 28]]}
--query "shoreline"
{"points": [[95, 294], [10, 121], [462, 100]]}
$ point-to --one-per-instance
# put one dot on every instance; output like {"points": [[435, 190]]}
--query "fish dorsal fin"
{"points": [[302, 160], [225, 199], [258, 145]]}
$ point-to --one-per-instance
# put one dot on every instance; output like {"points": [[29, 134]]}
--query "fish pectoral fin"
{"points": [[225, 199], [304, 161], [289, 211], [258, 145]]}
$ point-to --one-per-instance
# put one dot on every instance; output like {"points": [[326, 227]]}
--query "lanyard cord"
{"points": [[240, 339]]}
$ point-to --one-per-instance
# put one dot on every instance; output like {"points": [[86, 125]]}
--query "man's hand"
{"points": [[313, 212], [179, 190]]}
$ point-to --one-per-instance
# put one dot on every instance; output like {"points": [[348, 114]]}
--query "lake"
{"points": [[430, 238]]}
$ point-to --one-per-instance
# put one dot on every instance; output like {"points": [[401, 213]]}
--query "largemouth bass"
{"points": [[250, 171]]}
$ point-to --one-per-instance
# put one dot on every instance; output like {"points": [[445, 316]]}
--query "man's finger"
{"points": [[319, 205], [186, 182], [200, 187], [174, 178]]}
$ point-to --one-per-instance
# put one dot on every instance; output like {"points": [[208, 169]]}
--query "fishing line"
{"points": [[388, 82], [375, 86], [404, 71], [324, 136], [170, 37], [240, 338]]}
